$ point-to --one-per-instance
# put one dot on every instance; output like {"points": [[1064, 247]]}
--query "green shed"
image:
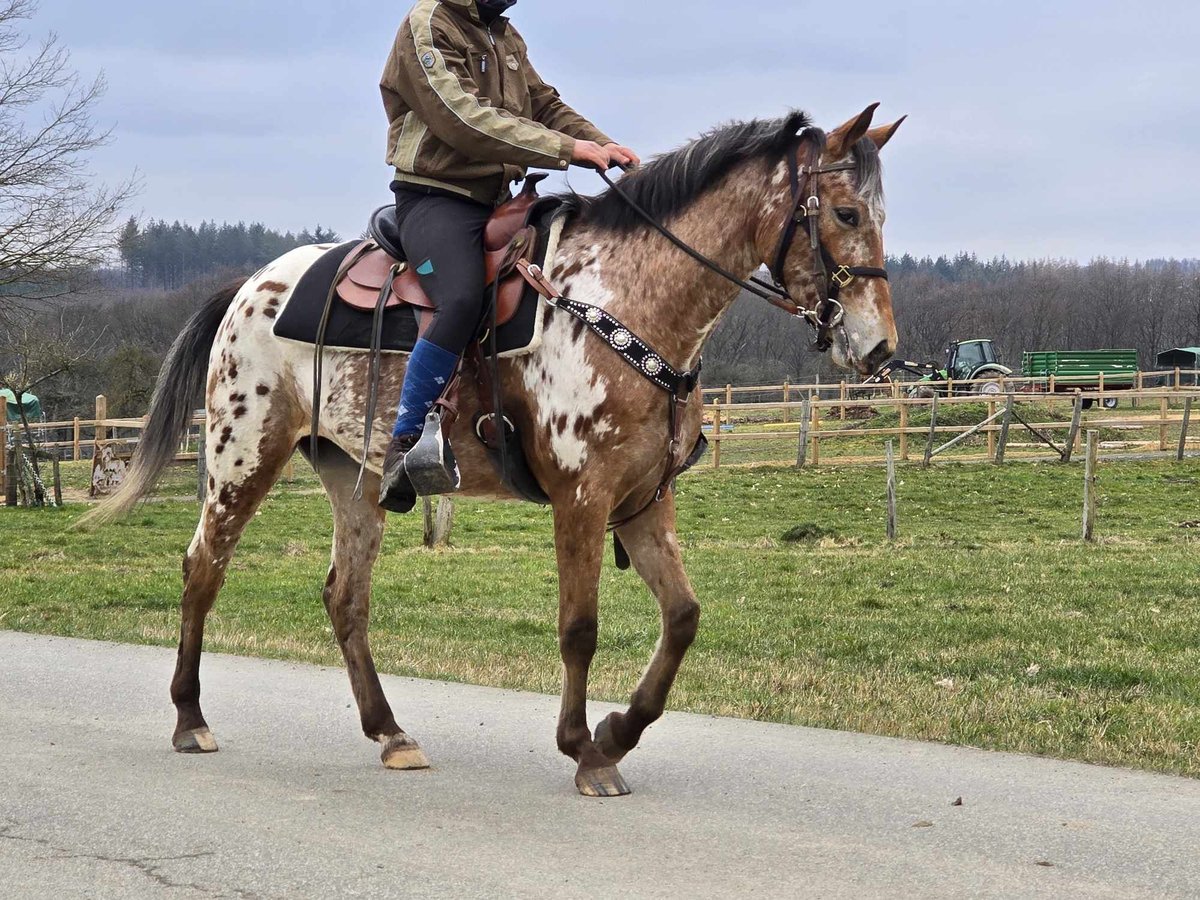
{"points": [[1186, 358], [33, 406]]}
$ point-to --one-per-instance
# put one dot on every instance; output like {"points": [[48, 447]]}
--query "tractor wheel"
{"points": [[1110, 402], [989, 387], [1087, 402]]}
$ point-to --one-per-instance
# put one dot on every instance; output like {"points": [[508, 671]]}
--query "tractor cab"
{"points": [[965, 358]]}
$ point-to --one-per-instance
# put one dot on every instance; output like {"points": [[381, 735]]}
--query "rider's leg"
{"points": [[443, 240]]}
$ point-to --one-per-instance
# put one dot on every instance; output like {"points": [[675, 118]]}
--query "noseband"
{"points": [[828, 275]]}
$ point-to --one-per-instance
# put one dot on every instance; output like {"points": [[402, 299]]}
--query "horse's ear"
{"points": [[881, 135], [844, 137]]}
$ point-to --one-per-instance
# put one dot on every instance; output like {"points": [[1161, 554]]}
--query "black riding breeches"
{"points": [[442, 237]]}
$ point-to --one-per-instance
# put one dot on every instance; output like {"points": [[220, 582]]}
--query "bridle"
{"points": [[829, 276]]}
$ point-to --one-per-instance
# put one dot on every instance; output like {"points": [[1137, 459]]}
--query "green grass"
{"points": [[988, 624]]}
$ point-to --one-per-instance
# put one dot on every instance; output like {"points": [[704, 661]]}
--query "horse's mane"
{"points": [[673, 181], [670, 183]]}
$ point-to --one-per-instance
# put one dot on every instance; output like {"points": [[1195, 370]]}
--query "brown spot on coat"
{"points": [[239, 412], [262, 390], [273, 287], [271, 312]]}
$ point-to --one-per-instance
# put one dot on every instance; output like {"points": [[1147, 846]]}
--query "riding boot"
{"points": [[397, 493]]}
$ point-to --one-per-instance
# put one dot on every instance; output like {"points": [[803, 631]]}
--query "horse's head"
{"points": [[833, 262]]}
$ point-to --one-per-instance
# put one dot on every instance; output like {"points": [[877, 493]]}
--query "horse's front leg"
{"points": [[654, 550], [579, 533]]}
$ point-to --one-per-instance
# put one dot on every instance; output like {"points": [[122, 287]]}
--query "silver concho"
{"points": [[593, 315], [621, 339], [653, 365]]}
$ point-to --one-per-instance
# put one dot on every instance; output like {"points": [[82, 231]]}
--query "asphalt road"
{"points": [[93, 802]]}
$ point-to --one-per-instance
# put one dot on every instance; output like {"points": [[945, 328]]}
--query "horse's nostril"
{"points": [[879, 355]]}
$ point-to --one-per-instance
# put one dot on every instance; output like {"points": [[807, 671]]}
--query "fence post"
{"points": [[729, 395], [1052, 382], [1178, 383], [842, 398], [1140, 387], [1162, 423], [10, 474], [891, 494], [991, 433], [201, 467], [1004, 426], [438, 524], [6, 474], [932, 431], [814, 430], [101, 430], [1183, 430], [1089, 486], [1076, 419], [76, 455], [802, 449], [787, 396], [903, 428], [716, 434]]}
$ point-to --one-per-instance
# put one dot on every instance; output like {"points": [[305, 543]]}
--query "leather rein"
{"points": [[829, 276]]}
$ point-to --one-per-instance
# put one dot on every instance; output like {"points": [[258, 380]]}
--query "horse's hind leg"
{"points": [[357, 533], [243, 464], [654, 549]]}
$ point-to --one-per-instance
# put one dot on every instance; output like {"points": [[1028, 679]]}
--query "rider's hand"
{"points": [[591, 154], [619, 155]]}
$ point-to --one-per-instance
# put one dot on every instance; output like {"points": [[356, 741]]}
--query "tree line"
{"points": [[1021, 305], [167, 256]]}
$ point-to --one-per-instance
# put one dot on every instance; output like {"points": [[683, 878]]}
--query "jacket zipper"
{"points": [[499, 63]]}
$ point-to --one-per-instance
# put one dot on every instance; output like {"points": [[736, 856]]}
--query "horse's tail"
{"points": [[179, 384]]}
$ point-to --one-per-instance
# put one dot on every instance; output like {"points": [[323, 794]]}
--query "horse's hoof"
{"points": [[605, 742], [402, 752], [198, 740], [605, 781]]}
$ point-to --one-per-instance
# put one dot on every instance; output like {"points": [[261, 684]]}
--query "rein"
{"points": [[831, 278]]}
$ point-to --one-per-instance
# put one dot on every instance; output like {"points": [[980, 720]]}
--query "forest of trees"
{"points": [[169, 256], [1043, 305]]}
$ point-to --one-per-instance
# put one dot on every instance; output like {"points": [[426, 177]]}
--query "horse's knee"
{"points": [[683, 621], [578, 638]]}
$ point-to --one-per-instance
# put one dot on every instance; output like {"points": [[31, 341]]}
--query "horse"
{"points": [[594, 429]]}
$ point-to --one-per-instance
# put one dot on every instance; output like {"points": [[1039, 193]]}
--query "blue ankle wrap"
{"points": [[430, 368]]}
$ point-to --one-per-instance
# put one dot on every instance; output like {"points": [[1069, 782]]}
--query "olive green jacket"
{"points": [[468, 112]]}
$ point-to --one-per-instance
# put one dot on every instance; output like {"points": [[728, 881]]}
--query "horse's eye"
{"points": [[847, 216]]}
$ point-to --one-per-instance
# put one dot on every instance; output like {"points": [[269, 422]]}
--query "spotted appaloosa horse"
{"points": [[595, 431]]}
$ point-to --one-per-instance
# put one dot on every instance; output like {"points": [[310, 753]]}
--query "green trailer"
{"points": [[1082, 369]]}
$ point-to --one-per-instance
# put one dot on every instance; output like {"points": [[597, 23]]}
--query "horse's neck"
{"points": [[668, 299]]}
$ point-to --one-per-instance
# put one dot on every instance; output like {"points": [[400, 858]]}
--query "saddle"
{"points": [[508, 237]]}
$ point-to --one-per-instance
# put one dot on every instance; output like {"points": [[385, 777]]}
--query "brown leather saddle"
{"points": [[508, 237]]}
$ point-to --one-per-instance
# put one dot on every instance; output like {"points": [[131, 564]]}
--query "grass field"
{"points": [[989, 623]]}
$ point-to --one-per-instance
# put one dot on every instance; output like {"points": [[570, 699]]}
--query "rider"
{"points": [[468, 114]]}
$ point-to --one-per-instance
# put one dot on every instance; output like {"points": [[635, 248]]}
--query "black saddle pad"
{"points": [[350, 328]]}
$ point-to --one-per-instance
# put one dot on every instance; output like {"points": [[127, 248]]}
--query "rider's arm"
{"points": [[550, 110], [434, 78]]}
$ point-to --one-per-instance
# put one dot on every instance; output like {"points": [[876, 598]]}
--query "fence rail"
{"points": [[820, 416], [1159, 425]]}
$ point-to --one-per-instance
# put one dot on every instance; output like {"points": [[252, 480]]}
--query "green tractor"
{"points": [[973, 361]]}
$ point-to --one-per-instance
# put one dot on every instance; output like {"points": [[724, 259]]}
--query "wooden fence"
{"points": [[1177, 379], [1008, 426], [820, 415]]}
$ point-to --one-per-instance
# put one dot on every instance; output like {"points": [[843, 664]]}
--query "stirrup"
{"points": [[430, 464]]}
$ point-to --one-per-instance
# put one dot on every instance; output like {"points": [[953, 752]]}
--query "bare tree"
{"points": [[34, 351], [55, 224]]}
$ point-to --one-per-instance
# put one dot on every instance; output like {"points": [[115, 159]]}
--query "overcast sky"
{"points": [[1059, 128]]}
